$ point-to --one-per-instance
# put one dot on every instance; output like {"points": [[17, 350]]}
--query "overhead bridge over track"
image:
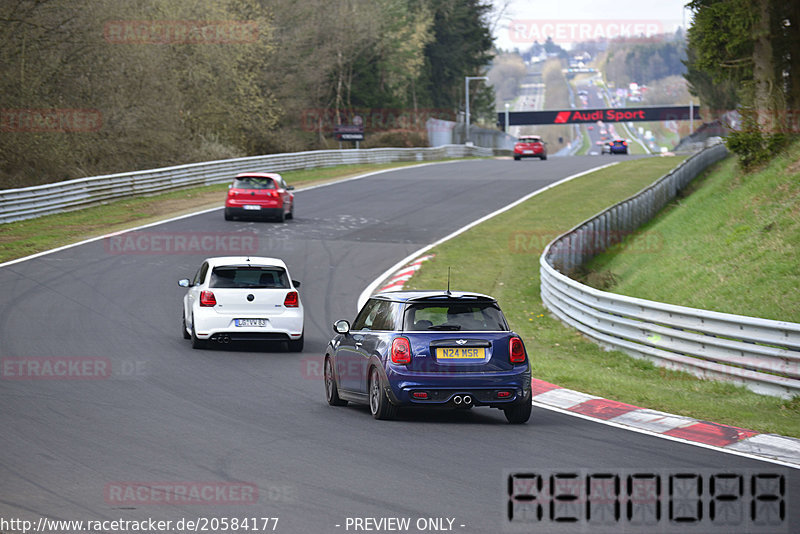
{"points": [[578, 116]]}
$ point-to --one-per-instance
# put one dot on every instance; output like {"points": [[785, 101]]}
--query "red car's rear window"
{"points": [[253, 182]]}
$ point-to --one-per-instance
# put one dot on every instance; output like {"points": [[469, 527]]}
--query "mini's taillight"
{"points": [[401, 351], [516, 350], [207, 299], [624, 143], [292, 300]]}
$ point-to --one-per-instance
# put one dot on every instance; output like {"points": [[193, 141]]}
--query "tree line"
{"points": [[744, 55], [105, 86]]}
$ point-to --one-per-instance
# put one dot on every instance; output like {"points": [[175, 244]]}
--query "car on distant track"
{"points": [[617, 146], [259, 195], [240, 298], [530, 146], [428, 349]]}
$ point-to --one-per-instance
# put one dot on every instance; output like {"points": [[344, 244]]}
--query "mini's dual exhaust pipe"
{"points": [[223, 339], [458, 400]]}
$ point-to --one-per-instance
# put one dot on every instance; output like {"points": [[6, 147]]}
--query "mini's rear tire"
{"points": [[519, 414], [228, 215], [379, 405], [186, 334]]}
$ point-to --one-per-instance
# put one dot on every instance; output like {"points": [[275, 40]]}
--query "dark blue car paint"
{"points": [[355, 353]]}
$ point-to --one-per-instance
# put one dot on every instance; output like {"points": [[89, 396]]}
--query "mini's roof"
{"points": [[433, 295], [256, 261]]}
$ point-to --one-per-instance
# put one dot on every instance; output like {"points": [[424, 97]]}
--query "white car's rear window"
{"points": [[249, 277]]}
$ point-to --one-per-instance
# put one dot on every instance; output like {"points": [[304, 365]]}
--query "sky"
{"points": [[523, 21]]}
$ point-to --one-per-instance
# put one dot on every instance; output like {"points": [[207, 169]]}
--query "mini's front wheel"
{"points": [[331, 389]]}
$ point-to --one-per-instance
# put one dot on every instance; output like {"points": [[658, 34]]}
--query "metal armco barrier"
{"points": [[762, 354], [30, 202]]}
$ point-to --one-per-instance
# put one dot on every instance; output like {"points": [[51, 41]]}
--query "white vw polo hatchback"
{"points": [[240, 298]]}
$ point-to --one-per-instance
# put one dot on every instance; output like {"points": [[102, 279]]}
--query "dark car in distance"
{"points": [[434, 349], [618, 146]]}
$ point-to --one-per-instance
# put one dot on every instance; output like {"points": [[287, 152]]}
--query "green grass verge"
{"points": [[22, 238], [730, 244], [501, 258]]}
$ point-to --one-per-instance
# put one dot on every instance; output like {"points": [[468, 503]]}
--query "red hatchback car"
{"points": [[261, 195], [530, 147]]}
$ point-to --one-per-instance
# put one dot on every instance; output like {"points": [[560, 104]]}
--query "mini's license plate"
{"points": [[527, 151], [460, 353], [251, 322], [252, 207]]}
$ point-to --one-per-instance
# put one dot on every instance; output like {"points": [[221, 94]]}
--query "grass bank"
{"points": [[731, 244], [500, 257], [22, 238]]}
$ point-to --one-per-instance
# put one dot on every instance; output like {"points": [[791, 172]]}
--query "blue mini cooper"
{"points": [[429, 349]]}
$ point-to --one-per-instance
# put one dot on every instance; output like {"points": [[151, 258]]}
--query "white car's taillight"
{"points": [[292, 300], [207, 299]]}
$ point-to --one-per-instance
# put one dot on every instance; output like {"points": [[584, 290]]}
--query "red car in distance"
{"points": [[259, 195], [530, 147]]}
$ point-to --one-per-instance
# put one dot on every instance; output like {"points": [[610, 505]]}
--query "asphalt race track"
{"points": [[168, 415]]}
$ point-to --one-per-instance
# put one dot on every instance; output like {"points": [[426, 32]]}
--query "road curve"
{"points": [[168, 414]]}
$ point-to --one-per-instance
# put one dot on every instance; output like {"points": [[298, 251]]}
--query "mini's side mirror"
{"points": [[184, 282], [341, 327], [230, 186], [290, 188], [295, 283]]}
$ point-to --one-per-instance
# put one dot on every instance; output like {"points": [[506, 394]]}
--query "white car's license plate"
{"points": [[252, 207], [251, 322]]}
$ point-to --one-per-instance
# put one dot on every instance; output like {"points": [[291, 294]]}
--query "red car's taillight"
{"points": [[292, 300], [516, 350], [401, 351], [207, 299]]}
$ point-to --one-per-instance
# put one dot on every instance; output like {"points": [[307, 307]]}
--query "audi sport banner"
{"points": [[573, 116]]}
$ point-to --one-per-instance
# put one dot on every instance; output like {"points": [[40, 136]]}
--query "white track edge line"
{"points": [[200, 212], [664, 436]]}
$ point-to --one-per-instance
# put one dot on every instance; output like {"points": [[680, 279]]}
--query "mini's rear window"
{"points": [[249, 277], [253, 182], [530, 140], [458, 316]]}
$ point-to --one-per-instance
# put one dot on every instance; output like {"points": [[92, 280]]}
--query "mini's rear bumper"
{"points": [[498, 389]]}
